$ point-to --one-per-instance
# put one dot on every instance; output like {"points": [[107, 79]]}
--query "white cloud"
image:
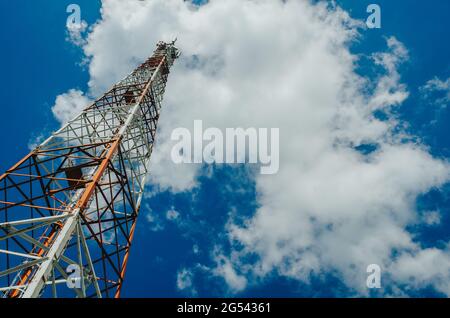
{"points": [[431, 217], [35, 141], [439, 86], [195, 249], [185, 281], [225, 269], [172, 214], [76, 32], [288, 65], [69, 104], [389, 92], [153, 219], [424, 268]]}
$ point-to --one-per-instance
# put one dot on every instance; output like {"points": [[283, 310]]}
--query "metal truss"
{"points": [[68, 209]]}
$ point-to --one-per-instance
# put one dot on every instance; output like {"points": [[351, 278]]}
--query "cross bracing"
{"points": [[68, 209]]}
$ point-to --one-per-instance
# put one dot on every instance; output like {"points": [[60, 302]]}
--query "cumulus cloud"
{"points": [[185, 281], [35, 141], [155, 222], [69, 104], [431, 217], [172, 215], [389, 92], [424, 268], [76, 32], [225, 268], [287, 64], [438, 86]]}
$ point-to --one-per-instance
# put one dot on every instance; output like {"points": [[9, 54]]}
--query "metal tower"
{"points": [[68, 209]]}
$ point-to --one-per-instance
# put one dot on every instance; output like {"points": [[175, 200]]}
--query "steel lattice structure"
{"points": [[73, 201]]}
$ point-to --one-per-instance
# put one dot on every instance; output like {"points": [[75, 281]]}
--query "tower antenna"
{"points": [[68, 209]]}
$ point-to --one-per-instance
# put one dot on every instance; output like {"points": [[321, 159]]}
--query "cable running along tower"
{"points": [[68, 209]]}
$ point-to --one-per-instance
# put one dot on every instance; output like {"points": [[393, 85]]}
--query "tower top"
{"points": [[169, 46]]}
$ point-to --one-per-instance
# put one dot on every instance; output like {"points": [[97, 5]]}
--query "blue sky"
{"points": [[38, 64]]}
